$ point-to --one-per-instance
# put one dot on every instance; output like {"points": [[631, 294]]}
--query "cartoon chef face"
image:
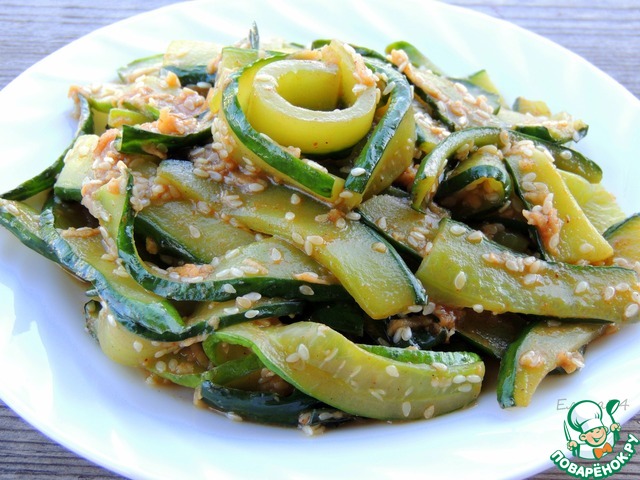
{"points": [[595, 437], [586, 417]]}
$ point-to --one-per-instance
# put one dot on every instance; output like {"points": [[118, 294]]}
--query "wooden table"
{"points": [[605, 32]]}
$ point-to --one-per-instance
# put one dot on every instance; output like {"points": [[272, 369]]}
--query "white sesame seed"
{"points": [[382, 223], [586, 248], [137, 346], [379, 247], [457, 230], [609, 293], [356, 172], [459, 379], [355, 216], [293, 358], [194, 232], [566, 154], [303, 352], [474, 378], [275, 255], [306, 290], [341, 223], [460, 280], [429, 308], [256, 187], [475, 236], [295, 199], [406, 408], [161, 366], [478, 308], [243, 302], [231, 310], [622, 287], [581, 287], [346, 194], [251, 313], [377, 393], [297, 238], [465, 388], [440, 366], [429, 411], [405, 333], [631, 310], [315, 240], [234, 417], [289, 216], [228, 288], [392, 371]]}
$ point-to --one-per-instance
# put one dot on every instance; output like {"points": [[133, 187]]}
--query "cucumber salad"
{"points": [[311, 235]]}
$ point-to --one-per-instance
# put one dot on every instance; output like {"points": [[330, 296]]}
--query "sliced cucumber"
{"points": [[464, 269], [540, 349], [382, 383]]}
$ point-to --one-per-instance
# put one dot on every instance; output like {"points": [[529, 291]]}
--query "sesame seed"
{"points": [[440, 366], [622, 287], [161, 366], [457, 230], [315, 240], [459, 379], [346, 194], [341, 223], [228, 288], [429, 308], [379, 247], [586, 248], [231, 310], [631, 310], [356, 172], [377, 393], [306, 290], [460, 280], [233, 417], [474, 378], [256, 187], [478, 308], [137, 346], [465, 388], [392, 371], [236, 272], [530, 359], [297, 238], [475, 236], [275, 255], [429, 411], [251, 313], [406, 408], [295, 199], [566, 154], [355, 216], [232, 253], [581, 287], [243, 302], [293, 358], [289, 216], [303, 352], [382, 223], [609, 293]]}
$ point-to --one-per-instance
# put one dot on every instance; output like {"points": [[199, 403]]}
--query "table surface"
{"points": [[605, 32]]}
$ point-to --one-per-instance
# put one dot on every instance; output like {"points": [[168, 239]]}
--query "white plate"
{"points": [[54, 375]]}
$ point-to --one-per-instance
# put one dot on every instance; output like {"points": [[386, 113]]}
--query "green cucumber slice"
{"points": [[382, 383]]}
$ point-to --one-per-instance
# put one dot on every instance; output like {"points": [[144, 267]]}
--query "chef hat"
{"points": [[585, 415]]}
